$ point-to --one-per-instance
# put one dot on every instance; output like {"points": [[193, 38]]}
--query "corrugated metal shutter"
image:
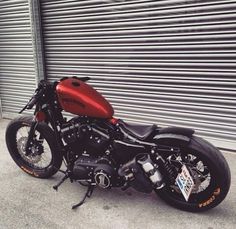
{"points": [[17, 73], [164, 62]]}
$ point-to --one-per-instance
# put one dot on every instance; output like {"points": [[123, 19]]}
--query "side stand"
{"points": [[87, 194], [55, 187]]}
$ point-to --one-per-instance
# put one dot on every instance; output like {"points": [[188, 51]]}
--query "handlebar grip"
{"points": [[35, 98], [32, 102]]}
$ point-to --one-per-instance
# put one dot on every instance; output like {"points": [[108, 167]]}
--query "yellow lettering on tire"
{"points": [[29, 172], [211, 199]]}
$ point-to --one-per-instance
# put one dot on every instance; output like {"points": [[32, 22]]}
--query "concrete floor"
{"points": [[27, 202]]}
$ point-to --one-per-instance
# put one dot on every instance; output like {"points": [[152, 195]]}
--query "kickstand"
{"points": [[55, 187], [87, 194]]}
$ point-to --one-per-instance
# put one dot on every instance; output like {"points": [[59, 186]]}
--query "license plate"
{"points": [[185, 182]]}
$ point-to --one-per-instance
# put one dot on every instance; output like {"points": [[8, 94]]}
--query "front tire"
{"points": [[215, 167], [45, 159]]}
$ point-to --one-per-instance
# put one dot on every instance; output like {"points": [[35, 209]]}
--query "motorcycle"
{"points": [[99, 150]]}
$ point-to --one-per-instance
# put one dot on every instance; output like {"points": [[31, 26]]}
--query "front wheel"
{"points": [[45, 158], [210, 173]]}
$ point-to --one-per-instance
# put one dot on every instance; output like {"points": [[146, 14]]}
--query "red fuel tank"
{"points": [[79, 98]]}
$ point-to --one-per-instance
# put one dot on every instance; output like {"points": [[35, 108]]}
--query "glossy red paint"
{"points": [[79, 98], [114, 121], [40, 116]]}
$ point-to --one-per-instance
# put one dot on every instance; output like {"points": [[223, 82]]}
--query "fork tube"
{"points": [[30, 138]]}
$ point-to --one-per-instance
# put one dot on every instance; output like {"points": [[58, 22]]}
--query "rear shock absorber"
{"points": [[171, 173]]}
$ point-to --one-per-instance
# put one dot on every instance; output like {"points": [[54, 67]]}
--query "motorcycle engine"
{"points": [[97, 170], [82, 136], [89, 142]]}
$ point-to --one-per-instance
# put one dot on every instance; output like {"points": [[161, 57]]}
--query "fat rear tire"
{"points": [[48, 136], [221, 175]]}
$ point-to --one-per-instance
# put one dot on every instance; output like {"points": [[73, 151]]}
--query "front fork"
{"points": [[29, 143]]}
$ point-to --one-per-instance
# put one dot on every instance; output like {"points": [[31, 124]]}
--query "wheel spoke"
{"points": [[200, 172], [41, 153]]}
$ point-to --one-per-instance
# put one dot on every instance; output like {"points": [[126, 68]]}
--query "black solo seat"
{"points": [[139, 131]]}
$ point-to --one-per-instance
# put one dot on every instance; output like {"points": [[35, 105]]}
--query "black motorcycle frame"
{"points": [[109, 152], [47, 106]]}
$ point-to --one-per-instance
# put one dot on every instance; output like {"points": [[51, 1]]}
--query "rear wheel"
{"points": [[210, 173], [45, 158]]}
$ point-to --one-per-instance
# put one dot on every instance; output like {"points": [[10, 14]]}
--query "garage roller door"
{"points": [[164, 62], [17, 70]]}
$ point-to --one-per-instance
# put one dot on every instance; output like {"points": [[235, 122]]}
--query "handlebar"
{"points": [[31, 103], [36, 96], [38, 93]]}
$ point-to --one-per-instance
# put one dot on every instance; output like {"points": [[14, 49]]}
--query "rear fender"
{"points": [[173, 136]]}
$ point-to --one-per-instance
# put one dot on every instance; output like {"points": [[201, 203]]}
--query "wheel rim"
{"points": [[202, 175], [40, 157]]}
